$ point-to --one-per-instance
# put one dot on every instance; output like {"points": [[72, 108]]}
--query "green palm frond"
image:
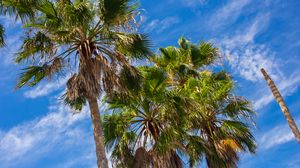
{"points": [[238, 107], [155, 80], [31, 76], [134, 45], [22, 9], [77, 14], [131, 78], [204, 54], [39, 44], [117, 12], [240, 133], [76, 104]]}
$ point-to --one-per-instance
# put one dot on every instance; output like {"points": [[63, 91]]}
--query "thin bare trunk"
{"points": [[98, 133], [282, 105]]}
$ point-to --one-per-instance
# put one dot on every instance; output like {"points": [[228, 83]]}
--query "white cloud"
{"points": [[248, 32], [193, 3], [249, 59], [13, 42], [58, 131], [160, 25], [245, 57], [227, 14], [49, 87], [8, 52], [279, 135]]}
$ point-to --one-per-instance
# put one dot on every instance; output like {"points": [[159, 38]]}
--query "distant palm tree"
{"points": [[282, 105], [92, 40]]}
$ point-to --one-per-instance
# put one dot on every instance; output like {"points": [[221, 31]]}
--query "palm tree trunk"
{"points": [[282, 105], [141, 158], [98, 133]]}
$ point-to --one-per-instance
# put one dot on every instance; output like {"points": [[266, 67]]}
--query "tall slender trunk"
{"points": [[98, 133], [282, 105]]}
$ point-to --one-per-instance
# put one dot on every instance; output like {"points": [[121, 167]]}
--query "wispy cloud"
{"points": [[227, 14], [245, 57], [279, 135], [159, 26], [57, 132], [46, 89], [193, 3], [13, 42]]}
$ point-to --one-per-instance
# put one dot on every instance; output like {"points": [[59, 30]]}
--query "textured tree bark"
{"points": [[168, 160], [282, 105], [98, 133], [141, 158]]}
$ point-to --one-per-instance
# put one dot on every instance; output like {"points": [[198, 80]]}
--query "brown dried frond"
{"points": [[73, 88], [56, 65]]}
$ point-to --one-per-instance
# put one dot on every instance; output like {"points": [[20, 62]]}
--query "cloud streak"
{"points": [[193, 3], [159, 26], [279, 135], [244, 56], [46, 89], [57, 132], [227, 14]]}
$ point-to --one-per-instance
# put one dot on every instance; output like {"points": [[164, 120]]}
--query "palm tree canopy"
{"points": [[91, 40], [180, 105]]}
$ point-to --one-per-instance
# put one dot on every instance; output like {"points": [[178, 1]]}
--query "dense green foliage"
{"points": [[180, 106], [57, 34]]}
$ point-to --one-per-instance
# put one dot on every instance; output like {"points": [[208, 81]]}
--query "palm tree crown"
{"points": [[179, 109]]}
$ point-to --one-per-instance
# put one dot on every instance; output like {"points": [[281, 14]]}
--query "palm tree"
{"points": [[91, 40], [220, 126], [215, 121], [282, 105], [193, 112], [133, 130]]}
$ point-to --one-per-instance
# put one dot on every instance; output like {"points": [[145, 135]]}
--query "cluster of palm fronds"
{"points": [[92, 39], [179, 112]]}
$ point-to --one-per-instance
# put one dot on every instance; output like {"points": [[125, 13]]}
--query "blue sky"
{"points": [[36, 130]]}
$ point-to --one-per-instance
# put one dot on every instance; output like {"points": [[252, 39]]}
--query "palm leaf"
{"points": [[134, 45], [116, 12], [39, 43], [76, 104], [31, 76]]}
